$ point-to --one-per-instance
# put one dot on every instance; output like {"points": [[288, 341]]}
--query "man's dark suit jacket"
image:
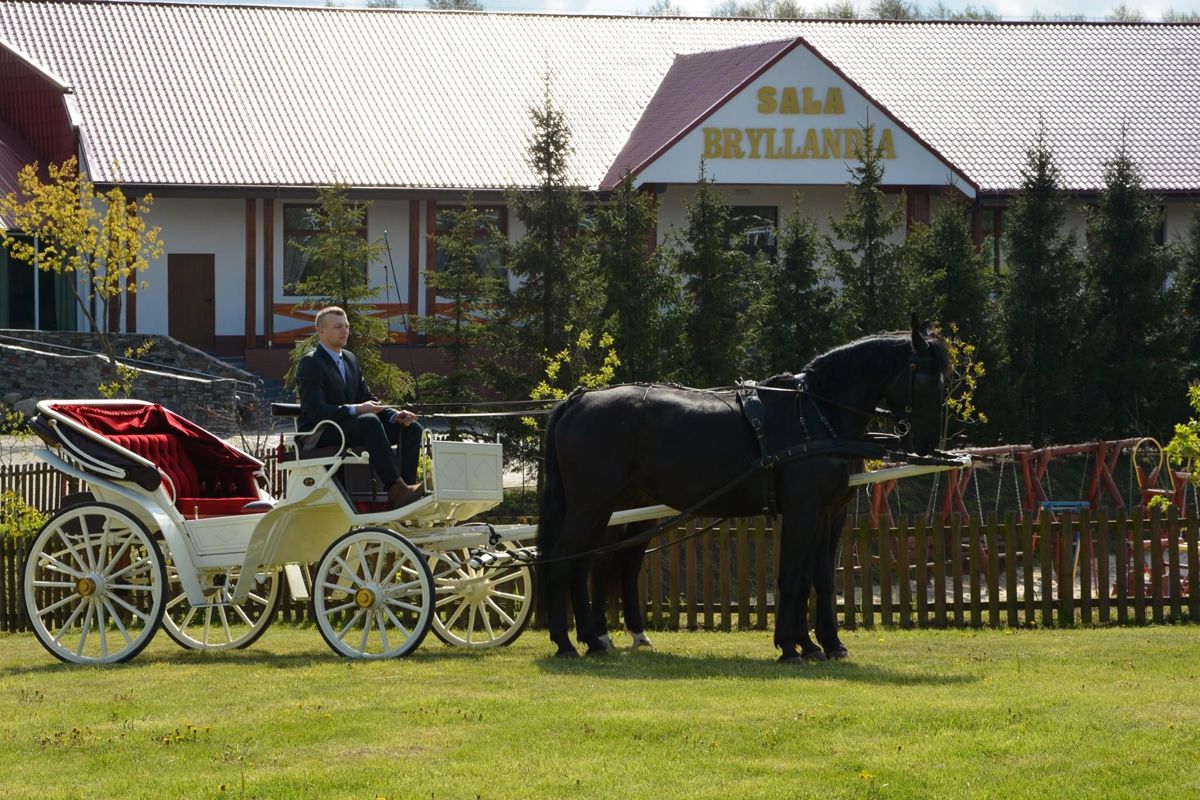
{"points": [[323, 393]]}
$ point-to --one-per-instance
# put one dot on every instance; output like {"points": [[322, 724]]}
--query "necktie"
{"points": [[341, 362]]}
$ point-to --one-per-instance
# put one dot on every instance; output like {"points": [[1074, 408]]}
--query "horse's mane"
{"points": [[873, 353]]}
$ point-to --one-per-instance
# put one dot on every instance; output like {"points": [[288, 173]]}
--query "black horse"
{"points": [[635, 445]]}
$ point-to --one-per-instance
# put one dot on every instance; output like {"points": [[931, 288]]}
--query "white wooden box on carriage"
{"points": [[137, 551]]}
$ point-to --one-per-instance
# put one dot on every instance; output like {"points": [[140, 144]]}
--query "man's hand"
{"points": [[404, 417], [369, 407]]}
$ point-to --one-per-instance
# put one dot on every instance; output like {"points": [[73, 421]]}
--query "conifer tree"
{"points": [[870, 266], [1132, 354], [641, 299], [1041, 291], [1189, 285], [803, 319], [339, 246], [464, 334], [714, 275], [558, 289]]}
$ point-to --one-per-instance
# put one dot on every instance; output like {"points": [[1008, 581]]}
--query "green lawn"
{"points": [[1102, 713]]}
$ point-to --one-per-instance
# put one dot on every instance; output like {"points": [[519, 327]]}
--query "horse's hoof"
{"points": [[791, 658], [600, 648], [838, 652], [640, 640], [567, 652], [814, 655]]}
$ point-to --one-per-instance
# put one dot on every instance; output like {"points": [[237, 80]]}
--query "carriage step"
{"points": [[296, 583]]}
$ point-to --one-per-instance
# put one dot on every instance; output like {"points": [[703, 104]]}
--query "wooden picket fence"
{"points": [[1112, 568]]}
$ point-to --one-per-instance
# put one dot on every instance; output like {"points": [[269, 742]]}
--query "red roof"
{"points": [[695, 86]]}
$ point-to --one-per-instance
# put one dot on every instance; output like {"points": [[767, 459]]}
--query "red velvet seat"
{"points": [[209, 477]]}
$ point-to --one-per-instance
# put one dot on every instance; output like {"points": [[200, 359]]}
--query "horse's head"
{"points": [[917, 394]]}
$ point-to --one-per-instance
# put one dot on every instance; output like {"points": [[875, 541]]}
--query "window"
{"points": [[754, 229], [489, 254], [992, 224], [299, 227]]}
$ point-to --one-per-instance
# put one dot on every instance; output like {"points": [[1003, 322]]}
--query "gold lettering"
{"points": [[787, 143], [766, 100], [853, 142], [712, 142], [810, 106], [833, 143], [733, 143], [887, 149], [790, 104], [811, 148], [755, 135], [833, 101], [771, 151]]}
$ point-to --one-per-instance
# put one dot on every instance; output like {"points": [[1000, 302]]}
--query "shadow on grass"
{"points": [[624, 665]]}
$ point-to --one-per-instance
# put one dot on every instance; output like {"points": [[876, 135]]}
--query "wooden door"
{"points": [[191, 312]]}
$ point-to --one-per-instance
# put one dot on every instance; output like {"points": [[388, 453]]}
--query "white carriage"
{"points": [[180, 529]]}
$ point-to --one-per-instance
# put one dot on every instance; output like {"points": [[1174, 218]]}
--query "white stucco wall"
{"points": [[197, 226]]}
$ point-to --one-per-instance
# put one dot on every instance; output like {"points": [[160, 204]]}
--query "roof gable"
{"points": [[33, 103], [783, 115]]}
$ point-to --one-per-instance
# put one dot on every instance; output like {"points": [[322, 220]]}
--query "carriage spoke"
{"points": [[61, 567], [187, 620], [243, 616], [174, 601], [54, 584], [117, 557], [447, 600], [130, 587], [79, 609], [116, 618], [225, 623], [87, 628], [144, 561], [69, 598], [362, 643], [396, 621], [457, 613], [379, 558], [347, 574], [338, 609], [471, 624], [487, 623], [353, 621], [512, 576], [101, 630], [131, 609], [65, 538], [500, 612], [508, 596], [405, 606], [207, 623], [382, 631], [403, 588]]}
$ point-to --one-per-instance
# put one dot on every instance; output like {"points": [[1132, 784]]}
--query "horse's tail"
{"points": [[552, 505]]}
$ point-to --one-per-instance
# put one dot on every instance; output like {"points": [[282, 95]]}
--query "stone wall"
{"points": [[166, 351], [30, 375]]}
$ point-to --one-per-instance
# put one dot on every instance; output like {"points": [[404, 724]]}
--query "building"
{"points": [[232, 116]]}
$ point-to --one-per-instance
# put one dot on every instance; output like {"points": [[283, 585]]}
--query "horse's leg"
{"points": [[798, 547], [557, 580], [629, 569], [601, 584], [827, 632]]}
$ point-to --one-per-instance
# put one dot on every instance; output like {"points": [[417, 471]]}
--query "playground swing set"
{"points": [[1031, 477]]}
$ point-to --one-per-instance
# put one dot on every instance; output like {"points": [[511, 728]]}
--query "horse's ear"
{"points": [[919, 344]]}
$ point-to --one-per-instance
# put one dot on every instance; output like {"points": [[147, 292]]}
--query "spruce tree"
{"points": [[1041, 291], [869, 266], [1189, 286], [803, 319], [558, 290], [641, 293], [1132, 355], [340, 247], [465, 333], [714, 273]]}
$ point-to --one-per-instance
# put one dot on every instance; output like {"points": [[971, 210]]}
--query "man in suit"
{"points": [[332, 387]]}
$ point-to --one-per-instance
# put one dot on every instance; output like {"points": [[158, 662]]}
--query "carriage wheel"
{"points": [[94, 585], [479, 608], [222, 625], [373, 595]]}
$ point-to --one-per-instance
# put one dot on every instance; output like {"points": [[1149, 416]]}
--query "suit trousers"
{"points": [[377, 436]]}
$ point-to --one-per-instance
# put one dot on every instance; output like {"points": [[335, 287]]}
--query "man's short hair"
{"points": [[328, 311]]}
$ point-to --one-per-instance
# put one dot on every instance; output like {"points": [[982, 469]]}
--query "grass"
{"points": [[1099, 713]]}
